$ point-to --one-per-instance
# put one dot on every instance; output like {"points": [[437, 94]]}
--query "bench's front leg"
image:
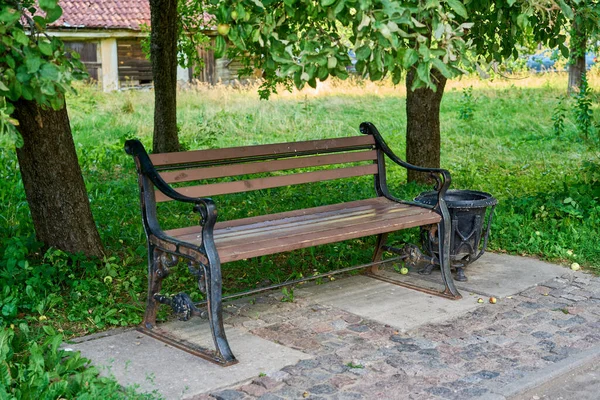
{"points": [[213, 280], [158, 269], [213, 286], [444, 231]]}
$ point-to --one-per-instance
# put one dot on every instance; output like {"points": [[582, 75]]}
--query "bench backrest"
{"points": [[200, 165]]}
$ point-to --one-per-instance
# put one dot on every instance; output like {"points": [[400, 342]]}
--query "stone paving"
{"points": [[467, 357]]}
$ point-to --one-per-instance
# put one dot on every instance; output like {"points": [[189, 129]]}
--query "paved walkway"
{"points": [[513, 348]]}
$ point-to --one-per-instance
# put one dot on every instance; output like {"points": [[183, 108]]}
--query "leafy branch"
{"points": [[32, 67]]}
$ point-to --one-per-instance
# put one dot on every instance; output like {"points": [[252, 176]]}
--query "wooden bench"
{"points": [[210, 243]]}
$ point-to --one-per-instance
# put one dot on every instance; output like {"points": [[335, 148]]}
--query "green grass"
{"points": [[499, 139], [507, 148]]}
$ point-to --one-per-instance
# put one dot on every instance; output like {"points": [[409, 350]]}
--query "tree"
{"points": [[35, 74], [584, 18], [176, 33], [163, 55], [297, 42]]}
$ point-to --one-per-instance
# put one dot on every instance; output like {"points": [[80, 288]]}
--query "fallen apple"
{"points": [[493, 300], [575, 267], [480, 300], [404, 270]]}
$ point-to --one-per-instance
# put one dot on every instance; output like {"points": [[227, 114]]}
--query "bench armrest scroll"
{"points": [[441, 176], [204, 206], [145, 167]]}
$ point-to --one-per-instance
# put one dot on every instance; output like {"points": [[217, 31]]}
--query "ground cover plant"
{"points": [[519, 139]]}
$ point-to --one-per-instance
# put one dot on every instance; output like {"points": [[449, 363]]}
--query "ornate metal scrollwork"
{"points": [[438, 181], [416, 259], [181, 304], [165, 262], [199, 273], [200, 208]]}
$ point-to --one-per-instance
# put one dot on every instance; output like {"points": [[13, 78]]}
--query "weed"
{"points": [[288, 295], [306, 106], [558, 116], [584, 116], [32, 365], [128, 107], [467, 104], [352, 365]]}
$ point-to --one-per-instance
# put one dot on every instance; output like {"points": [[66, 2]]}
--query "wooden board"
{"points": [[133, 64], [272, 151], [222, 171], [215, 189], [276, 233]]}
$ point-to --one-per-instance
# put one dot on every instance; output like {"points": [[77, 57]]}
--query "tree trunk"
{"points": [[163, 54], [423, 125], [53, 183], [577, 58]]}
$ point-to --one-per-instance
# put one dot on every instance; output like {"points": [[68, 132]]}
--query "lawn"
{"points": [[497, 136]]}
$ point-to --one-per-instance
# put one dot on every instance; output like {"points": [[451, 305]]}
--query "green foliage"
{"points": [[60, 285], [33, 66], [584, 18], [33, 365], [297, 48], [467, 104], [287, 295], [192, 24], [582, 109], [558, 116]]}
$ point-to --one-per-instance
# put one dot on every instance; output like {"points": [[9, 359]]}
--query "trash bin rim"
{"points": [[480, 200]]}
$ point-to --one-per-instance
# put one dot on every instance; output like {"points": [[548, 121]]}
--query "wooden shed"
{"points": [[108, 35]]}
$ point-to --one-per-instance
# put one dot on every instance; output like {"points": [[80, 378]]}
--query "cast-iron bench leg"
{"points": [[381, 240], [444, 230], [155, 277], [215, 312], [159, 263]]}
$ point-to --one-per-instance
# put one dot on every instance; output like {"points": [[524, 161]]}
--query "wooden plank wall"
{"points": [[133, 65], [208, 73], [89, 55], [222, 70]]}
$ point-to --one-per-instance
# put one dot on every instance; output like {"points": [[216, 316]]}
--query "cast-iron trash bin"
{"points": [[468, 209]]}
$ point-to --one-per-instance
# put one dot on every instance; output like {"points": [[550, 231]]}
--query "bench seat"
{"points": [[293, 230]]}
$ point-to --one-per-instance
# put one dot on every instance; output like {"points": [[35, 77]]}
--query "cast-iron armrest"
{"points": [[204, 206], [441, 176]]}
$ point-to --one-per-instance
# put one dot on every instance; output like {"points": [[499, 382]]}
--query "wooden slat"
{"points": [[249, 250], [266, 166], [273, 222], [332, 208], [269, 234], [248, 185], [313, 225], [279, 149], [377, 205]]}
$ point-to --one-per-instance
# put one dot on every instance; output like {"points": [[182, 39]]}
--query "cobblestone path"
{"points": [[464, 358]]}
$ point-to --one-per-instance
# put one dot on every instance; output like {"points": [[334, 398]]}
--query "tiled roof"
{"points": [[105, 14]]}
